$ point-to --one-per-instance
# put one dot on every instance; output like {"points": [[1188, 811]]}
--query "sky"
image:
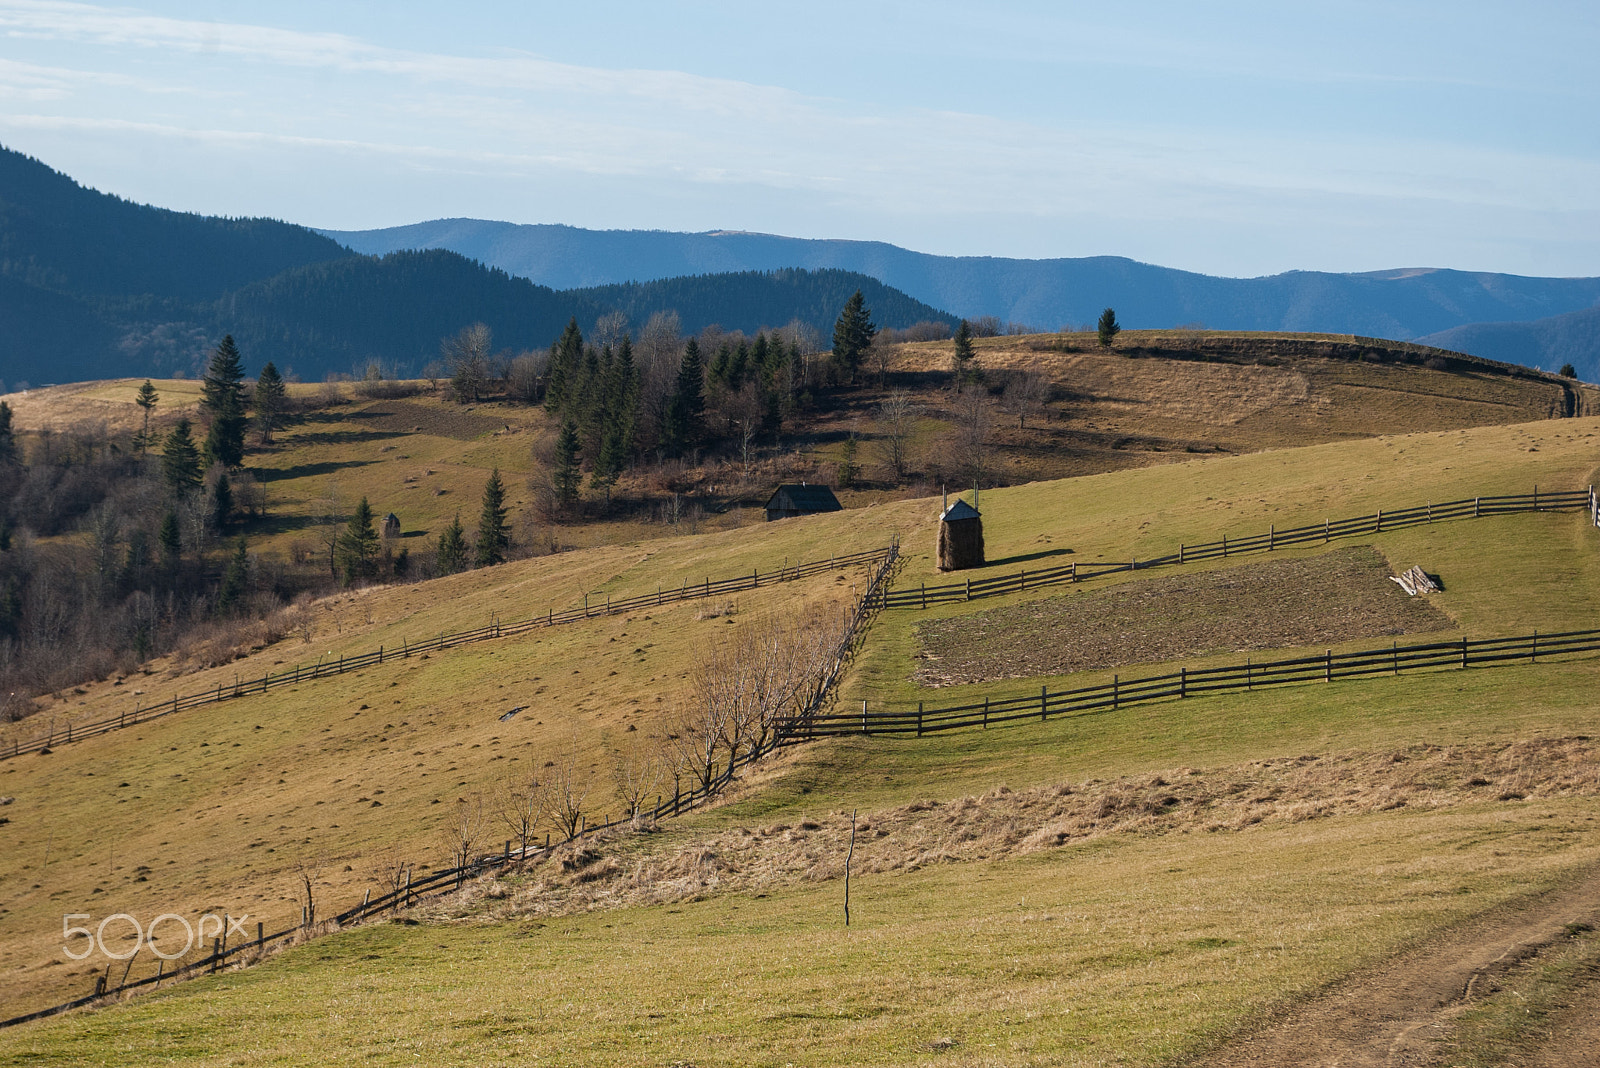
{"points": [[1233, 138]]}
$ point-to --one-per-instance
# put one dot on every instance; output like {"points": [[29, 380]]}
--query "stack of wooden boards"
{"points": [[1414, 581]]}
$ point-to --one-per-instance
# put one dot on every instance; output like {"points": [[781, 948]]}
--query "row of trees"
{"points": [[743, 689]]}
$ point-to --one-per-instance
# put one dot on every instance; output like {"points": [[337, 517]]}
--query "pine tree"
{"points": [[270, 396], [235, 579], [494, 533], [961, 358], [452, 554], [171, 542], [357, 551], [180, 460], [146, 399], [568, 477], [621, 419], [222, 396], [683, 424], [221, 501], [852, 336], [1107, 327], [8, 440], [566, 356]]}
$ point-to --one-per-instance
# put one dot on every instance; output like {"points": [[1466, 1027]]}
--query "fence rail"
{"points": [[328, 668], [412, 888], [1470, 507], [1188, 682]]}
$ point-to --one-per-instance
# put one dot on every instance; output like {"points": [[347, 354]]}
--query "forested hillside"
{"points": [[92, 286], [750, 300]]}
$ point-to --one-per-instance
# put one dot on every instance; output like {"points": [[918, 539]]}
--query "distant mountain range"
{"points": [[1400, 304], [93, 286]]}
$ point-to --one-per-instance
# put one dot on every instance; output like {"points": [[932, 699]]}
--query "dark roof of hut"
{"points": [[799, 497], [959, 511]]}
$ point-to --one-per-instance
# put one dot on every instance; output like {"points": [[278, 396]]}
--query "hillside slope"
{"points": [[1137, 884], [1548, 343], [1399, 304]]}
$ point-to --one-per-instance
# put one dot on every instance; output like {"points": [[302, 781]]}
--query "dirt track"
{"points": [[1396, 1014]]}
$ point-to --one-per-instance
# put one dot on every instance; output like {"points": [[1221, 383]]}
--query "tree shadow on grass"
{"points": [[1025, 557], [327, 467]]}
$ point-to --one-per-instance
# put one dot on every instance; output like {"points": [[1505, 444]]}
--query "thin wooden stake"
{"points": [[847, 858]]}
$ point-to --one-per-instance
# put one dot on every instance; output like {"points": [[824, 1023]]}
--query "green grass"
{"points": [[1132, 952]]}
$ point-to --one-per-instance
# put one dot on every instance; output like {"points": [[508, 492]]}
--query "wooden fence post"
{"points": [[863, 717], [1533, 657], [1183, 682], [919, 719], [1180, 553], [1476, 502], [1272, 534], [969, 589], [1463, 650], [1115, 696], [1394, 651], [1327, 666], [986, 713], [1380, 521], [1044, 703], [1247, 680], [1326, 523]]}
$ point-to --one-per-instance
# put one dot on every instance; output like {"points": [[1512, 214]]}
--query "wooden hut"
{"points": [[795, 499], [960, 537], [391, 526]]}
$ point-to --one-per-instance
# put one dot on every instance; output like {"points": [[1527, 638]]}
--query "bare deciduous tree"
{"points": [[519, 801], [897, 417], [467, 359], [637, 769], [1025, 395], [609, 330], [566, 792], [465, 831]]}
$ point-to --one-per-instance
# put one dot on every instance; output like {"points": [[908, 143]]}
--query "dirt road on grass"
{"points": [[1398, 1013]]}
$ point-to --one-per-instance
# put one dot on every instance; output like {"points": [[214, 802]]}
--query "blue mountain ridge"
{"points": [[1402, 304]]}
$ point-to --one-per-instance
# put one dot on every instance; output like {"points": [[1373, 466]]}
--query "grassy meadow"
{"points": [[1139, 947]]}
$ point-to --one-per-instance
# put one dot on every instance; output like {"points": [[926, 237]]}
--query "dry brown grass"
{"points": [[621, 869]]}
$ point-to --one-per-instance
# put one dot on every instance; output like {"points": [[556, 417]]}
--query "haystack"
{"points": [[391, 526], [960, 537]]}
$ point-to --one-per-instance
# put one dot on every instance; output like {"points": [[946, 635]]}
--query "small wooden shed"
{"points": [[798, 498], [960, 537], [391, 526]]}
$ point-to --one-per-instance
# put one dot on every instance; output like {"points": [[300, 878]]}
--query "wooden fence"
{"points": [[414, 888], [1046, 704], [327, 668], [1467, 508]]}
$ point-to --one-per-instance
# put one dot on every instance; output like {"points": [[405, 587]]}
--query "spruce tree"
{"points": [[8, 440], [180, 460], [567, 475], [683, 424], [146, 399], [963, 355], [222, 397], [235, 579], [221, 501], [494, 533], [357, 551], [566, 355], [452, 553], [171, 542], [270, 396], [852, 336], [1108, 328]]}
